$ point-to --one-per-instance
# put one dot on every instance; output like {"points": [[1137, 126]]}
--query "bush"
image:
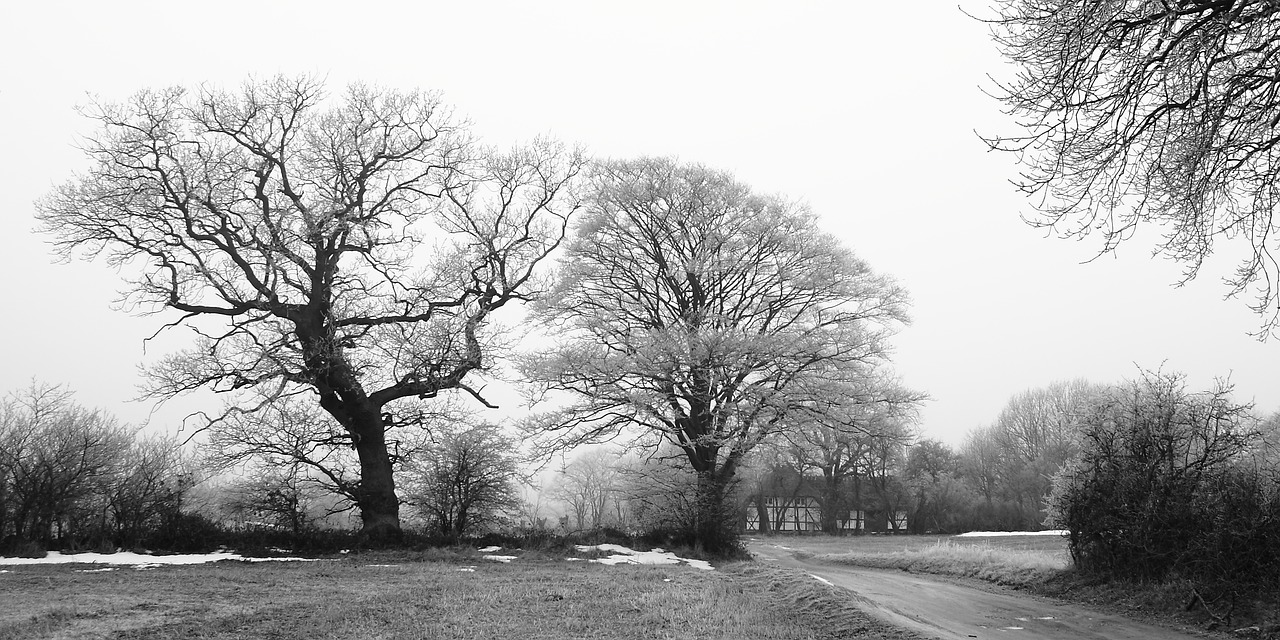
{"points": [[1164, 487]]}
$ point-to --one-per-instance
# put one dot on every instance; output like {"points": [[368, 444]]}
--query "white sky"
{"points": [[865, 110]]}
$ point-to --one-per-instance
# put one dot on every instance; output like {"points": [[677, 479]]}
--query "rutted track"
{"points": [[938, 608]]}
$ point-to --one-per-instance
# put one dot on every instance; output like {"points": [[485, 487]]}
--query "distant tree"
{"points": [[696, 313], [148, 488], [56, 460], [842, 446], [1138, 112], [661, 497], [278, 497], [1036, 433], [467, 481], [1009, 464], [588, 486], [940, 498], [352, 248], [885, 470]]}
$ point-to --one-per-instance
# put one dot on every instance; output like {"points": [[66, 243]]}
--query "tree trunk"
{"points": [[376, 496], [762, 513], [715, 527], [832, 505]]}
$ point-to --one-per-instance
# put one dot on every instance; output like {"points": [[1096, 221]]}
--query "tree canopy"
{"points": [[350, 247], [695, 312], [1136, 112]]}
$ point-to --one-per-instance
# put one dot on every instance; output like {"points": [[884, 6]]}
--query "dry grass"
{"points": [[822, 544], [433, 599], [1009, 560], [985, 560]]}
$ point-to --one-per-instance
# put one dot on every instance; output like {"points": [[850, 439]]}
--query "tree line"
{"points": [[346, 260]]}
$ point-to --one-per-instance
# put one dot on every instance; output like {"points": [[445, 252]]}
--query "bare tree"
{"points": [[588, 485], [1137, 112], [276, 497], [148, 487], [842, 446], [467, 481], [349, 248], [55, 459], [697, 313], [932, 474], [1036, 433]]}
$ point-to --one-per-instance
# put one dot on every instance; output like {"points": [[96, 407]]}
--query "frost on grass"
{"points": [[624, 555], [139, 560], [997, 534]]}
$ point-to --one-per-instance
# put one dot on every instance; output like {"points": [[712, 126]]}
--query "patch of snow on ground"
{"points": [[468, 569], [623, 555], [490, 549], [140, 560], [499, 558], [1061, 533]]}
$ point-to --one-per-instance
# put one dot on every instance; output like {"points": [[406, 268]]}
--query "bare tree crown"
{"points": [[1138, 112]]}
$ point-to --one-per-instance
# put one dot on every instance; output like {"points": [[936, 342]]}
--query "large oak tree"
{"points": [[698, 314], [350, 247]]}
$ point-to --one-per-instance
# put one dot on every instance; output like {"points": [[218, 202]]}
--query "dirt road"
{"points": [[937, 608]]}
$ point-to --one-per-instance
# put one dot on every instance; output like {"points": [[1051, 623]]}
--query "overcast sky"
{"points": [[867, 111]]}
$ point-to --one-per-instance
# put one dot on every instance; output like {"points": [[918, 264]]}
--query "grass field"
{"points": [[888, 544], [1009, 560], [362, 597]]}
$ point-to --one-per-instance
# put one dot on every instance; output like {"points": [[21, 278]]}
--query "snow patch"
{"points": [[467, 569], [490, 549], [624, 555], [1061, 533], [499, 558], [139, 560]]}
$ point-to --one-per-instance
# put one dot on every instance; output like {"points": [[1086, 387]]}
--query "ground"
{"points": [[437, 596]]}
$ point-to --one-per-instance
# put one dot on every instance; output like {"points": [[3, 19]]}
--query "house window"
{"points": [[899, 522], [853, 521]]}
